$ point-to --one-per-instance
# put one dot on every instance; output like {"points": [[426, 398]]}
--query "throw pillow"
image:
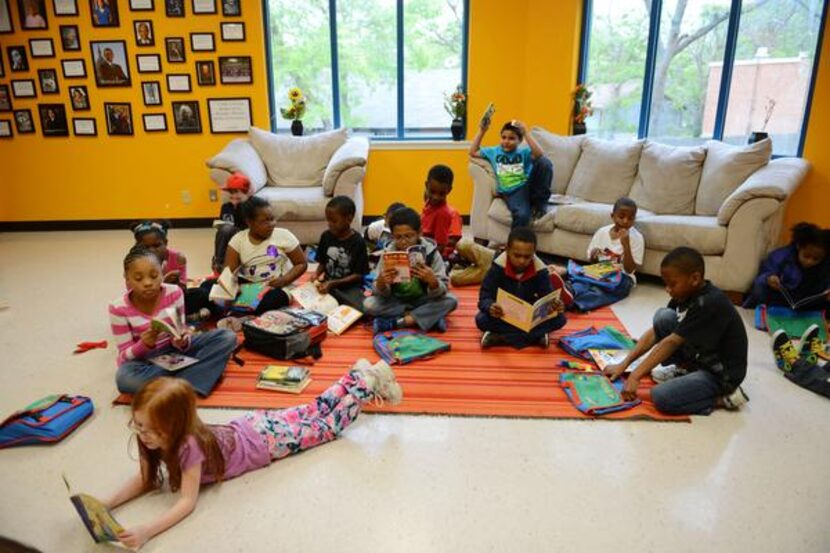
{"points": [[725, 168], [563, 152], [605, 170], [667, 178], [296, 160]]}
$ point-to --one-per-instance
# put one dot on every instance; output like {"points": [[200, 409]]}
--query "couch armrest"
{"points": [[776, 180], [354, 153], [751, 233], [484, 190], [349, 181], [240, 155]]}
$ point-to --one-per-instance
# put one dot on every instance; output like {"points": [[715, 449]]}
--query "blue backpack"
{"points": [[405, 346], [48, 420]]}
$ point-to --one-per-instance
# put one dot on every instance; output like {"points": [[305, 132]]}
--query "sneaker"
{"points": [[565, 294], [785, 353], [201, 315], [231, 323], [383, 324], [664, 373], [736, 399], [544, 341], [491, 339], [382, 381], [811, 345], [441, 325]]}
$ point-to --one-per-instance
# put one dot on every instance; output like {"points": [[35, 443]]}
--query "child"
{"points": [[424, 300], [800, 269], [699, 338], [170, 434], [148, 298], [439, 221], [237, 187], [341, 255], [802, 365], [377, 234], [523, 174]]}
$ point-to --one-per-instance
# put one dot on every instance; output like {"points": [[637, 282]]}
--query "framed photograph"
{"points": [[53, 119], [144, 35], [206, 73], [142, 5], [5, 98], [186, 118], [233, 32], [231, 8], [84, 126], [154, 122], [32, 14], [2, 68], [175, 49], [5, 18], [174, 8], [65, 8], [235, 70], [104, 13], [73, 69], [23, 121], [5, 128], [178, 82], [109, 58], [202, 42], [151, 90], [119, 118], [42, 48], [24, 88], [204, 6], [148, 63], [18, 60], [48, 81], [79, 98], [70, 38], [230, 115]]}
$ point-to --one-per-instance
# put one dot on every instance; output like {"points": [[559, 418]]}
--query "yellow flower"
{"points": [[295, 94]]}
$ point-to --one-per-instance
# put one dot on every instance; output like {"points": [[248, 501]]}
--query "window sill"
{"points": [[416, 144]]}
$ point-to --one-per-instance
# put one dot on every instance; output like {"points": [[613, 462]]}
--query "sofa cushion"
{"points": [[605, 170], [586, 218], [667, 178], [725, 168], [296, 203], [666, 232], [498, 212], [563, 151], [296, 160]]}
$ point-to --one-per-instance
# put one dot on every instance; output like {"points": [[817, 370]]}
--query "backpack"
{"points": [[287, 333], [593, 394], [578, 343], [47, 420], [406, 346]]}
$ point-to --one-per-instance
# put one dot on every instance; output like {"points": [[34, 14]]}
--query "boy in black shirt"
{"points": [[341, 255], [700, 339]]}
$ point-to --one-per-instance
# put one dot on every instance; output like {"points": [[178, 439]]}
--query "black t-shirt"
{"points": [[711, 326], [233, 215], [341, 258]]}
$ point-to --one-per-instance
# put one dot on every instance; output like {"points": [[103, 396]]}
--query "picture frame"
{"points": [[148, 63], [142, 6], [48, 79], [230, 115], [235, 70], [6, 25], [84, 126], [206, 73], [79, 98], [119, 117], [109, 60], [5, 128], [203, 7], [231, 8], [233, 31], [32, 14], [202, 42], [144, 35], [24, 88], [41, 48], [104, 13], [2, 67], [151, 93], [174, 8], [5, 98], [154, 122], [65, 8], [186, 118], [70, 38], [74, 68], [23, 121], [178, 82], [18, 59], [174, 47], [53, 120]]}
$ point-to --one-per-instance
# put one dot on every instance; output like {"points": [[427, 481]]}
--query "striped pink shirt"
{"points": [[128, 323], [172, 264]]}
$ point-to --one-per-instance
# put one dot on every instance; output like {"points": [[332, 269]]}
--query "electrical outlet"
{"points": [[186, 199], [213, 195]]}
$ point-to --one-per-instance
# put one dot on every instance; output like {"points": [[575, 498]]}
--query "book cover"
{"points": [[284, 378], [600, 270], [342, 317], [310, 298], [487, 116], [173, 361], [403, 261], [606, 357], [522, 314], [250, 294], [97, 518]]}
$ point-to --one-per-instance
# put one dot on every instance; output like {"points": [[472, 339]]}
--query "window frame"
{"points": [[400, 130]]}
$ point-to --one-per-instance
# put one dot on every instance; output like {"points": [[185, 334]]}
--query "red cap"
{"points": [[237, 181]]}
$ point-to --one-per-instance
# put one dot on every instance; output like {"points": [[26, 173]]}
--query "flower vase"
{"points": [[579, 128], [457, 129], [296, 127], [757, 136]]}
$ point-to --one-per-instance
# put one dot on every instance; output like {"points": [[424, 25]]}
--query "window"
{"points": [[379, 67], [656, 68]]}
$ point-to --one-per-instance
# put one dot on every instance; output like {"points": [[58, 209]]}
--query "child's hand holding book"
{"points": [[182, 343], [135, 537], [774, 282], [149, 337], [386, 277], [496, 311], [425, 274]]}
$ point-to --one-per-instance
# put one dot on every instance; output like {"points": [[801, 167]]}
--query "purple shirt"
{"points": [[242, 447]]}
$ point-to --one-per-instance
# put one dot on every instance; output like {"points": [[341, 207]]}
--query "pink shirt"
{"points": [[128, 323], [172, 264], [242, 448]]}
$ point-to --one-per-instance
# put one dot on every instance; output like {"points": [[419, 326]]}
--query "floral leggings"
{"points": [[288, 431]]}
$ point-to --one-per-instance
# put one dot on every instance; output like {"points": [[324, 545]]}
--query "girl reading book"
{"points": [[170, 434]]}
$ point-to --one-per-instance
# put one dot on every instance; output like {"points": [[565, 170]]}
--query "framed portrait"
{"points": [[233, 32], [32, 14], [235, 70], [204, 7], [65, 8], [73, 69], [5, 128], [174, 8], [186, 118], [206, 73], [174, 47], [5, 18], [148, 63], [84, 126], [2, 67], [5, 98], [41, 48], [18, 60], [109, 58], [48, 81], [154, 122], [119, 118], [53, 120], [144, 35], [151, 91], [230, 115], [104, 13], [142, 5], [202, 42], [23, 121], [79, 98], [70, 38], [178, 82], [231, 8], [24, 88]]}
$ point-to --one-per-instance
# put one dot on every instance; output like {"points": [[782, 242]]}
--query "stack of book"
{"points": [[284, 378]]}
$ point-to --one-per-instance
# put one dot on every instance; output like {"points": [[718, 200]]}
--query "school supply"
{"points": [[176, 330], [309, 297], [403, 261], [47, 420], [97, 518], [284, 378], [285, 334], [577, 365], [608, 337], [226, 287], [487, 117], [600, 270], [342, 317], [606, 357], [596, 276], [795, 304], [250, 294], [773, 317], [405, 346], [84, 347], [594, 394], [526, 316], [591, 291], [173, 361]]}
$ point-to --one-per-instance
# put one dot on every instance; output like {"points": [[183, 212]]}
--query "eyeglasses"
{"points": [[132, 425]]}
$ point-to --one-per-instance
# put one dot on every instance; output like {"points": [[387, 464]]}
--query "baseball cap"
{"points": [[237, 181]]}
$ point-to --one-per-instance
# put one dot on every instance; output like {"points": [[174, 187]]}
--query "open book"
{"points": [[403, 262], [487, 117], [98, 520], [803, 301], [226, 287], [174, 327], [340, 317], [522, 314], [605, 357]]}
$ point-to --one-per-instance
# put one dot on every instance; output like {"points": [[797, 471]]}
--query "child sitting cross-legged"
{"points": [[421, 302], [519, 272]]}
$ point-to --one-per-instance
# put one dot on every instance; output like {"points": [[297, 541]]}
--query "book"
{"points": [[795, 304], [97, 518], [342, 317], [403, 261], [226, 287], [284, 378], [526, 316], [562, 199], [600, 270], [310, 298], [173, 361], [606, 357], [174, 327], [250, 294], [487, 117]]}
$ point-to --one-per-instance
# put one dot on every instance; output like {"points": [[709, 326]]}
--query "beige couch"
{"points": [[725, 201], [298, 175]]}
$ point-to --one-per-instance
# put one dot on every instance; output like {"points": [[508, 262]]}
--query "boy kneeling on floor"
{"points": [[699, 339], [517, 271]]}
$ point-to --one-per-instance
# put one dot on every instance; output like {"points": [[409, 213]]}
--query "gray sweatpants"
{"points": [[425, 310]]}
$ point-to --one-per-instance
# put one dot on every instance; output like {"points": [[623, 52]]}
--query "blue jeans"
{"points": [[515, 337], [425, 310], [212, 349], [533, 195]]}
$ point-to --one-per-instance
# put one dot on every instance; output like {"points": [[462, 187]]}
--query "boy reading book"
{"points": [[519, 272]]}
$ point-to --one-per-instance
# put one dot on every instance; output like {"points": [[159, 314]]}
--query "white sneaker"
{"points": [[381, 380], [664, 373], [231, 323], [736, 399]]}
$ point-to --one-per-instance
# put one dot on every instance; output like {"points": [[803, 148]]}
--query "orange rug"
{"points": [[501, 382]]}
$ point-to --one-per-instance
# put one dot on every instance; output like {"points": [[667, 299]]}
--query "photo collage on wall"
{"points": [[56, 82]]}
